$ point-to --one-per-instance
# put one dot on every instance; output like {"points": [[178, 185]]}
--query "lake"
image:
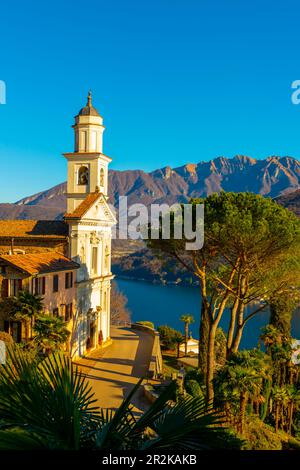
{"points": [[164, 304]]}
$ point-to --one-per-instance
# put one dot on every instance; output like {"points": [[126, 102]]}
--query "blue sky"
{"points": [[176, 82]]}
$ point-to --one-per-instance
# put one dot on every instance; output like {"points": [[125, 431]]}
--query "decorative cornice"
{"points": [[106, 277], [79, 156]]}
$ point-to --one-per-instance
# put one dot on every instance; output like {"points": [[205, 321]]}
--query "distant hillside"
{"points": [[273, 176], [291, 201], [13, 211], [277, 177]]}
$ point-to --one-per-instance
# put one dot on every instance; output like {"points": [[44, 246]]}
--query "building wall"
{"points": [[93, 288], [51, 300], [64, 296]]}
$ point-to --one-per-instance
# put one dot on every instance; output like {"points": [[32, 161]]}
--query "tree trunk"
{"points": [[203, 338], [26, 330], [243, 404], [186, 337], [210, 363], [31, 327], [239, 329], [276, 417], [231, 328], [282, 417], [291, 410]]}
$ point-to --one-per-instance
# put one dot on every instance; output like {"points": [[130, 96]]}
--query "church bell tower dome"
{"points": [[87, 165], [89, 109], [88, 128]]}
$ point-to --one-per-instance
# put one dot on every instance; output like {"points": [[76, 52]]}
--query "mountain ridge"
{"points": [[273, 176]]}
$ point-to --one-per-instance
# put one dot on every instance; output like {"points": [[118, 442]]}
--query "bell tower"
{"points": [[87, 165]]}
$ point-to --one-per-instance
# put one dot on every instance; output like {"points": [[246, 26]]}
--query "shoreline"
{"points": [[154, 282]]}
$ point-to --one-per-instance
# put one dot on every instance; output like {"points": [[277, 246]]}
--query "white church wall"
{"points": [[93, 229]]}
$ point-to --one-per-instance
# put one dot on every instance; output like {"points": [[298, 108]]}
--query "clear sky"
{"points": [[176, 82]]}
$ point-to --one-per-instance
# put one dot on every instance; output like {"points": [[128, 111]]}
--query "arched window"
{"points": [[102, 177], [83, 175]]}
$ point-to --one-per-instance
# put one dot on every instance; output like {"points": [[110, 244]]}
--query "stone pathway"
{"points": [[114, 371]]}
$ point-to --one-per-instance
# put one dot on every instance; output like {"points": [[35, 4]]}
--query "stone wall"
{"points": [[156, 363]]}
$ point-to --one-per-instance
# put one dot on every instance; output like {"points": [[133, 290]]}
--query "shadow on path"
{"points": [[113, 372]]}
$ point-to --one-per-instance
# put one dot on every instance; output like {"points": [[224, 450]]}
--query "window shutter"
{"points": [[36, 286], [71, 283], [6, 326], [4, 290], [19, 332], [43, 285], [66, 280], [55, 283], [19, 284]]}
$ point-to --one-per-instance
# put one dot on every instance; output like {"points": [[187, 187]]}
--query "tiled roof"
{"points": [[84, 206], [33, 228], [39, 263]]}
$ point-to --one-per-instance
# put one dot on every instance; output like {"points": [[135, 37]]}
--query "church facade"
{"points": [[82, 241], [90, 222]]}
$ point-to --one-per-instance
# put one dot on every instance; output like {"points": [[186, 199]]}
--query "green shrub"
{"points": [[194, 374], [169, 337], [193, 388], [293, 443], [260, 436], [146, 323]]}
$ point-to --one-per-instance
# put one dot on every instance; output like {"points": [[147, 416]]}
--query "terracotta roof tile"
{"points": [[39, 263], [84, 206], [33, 228]]}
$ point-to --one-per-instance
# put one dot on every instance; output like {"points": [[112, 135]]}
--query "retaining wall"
{"points": [[156, 363]]}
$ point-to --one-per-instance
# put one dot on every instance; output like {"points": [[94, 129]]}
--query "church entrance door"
{"points": [[93, 330]]}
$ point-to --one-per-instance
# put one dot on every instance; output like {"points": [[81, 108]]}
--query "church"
{"points": [[68, 262]]}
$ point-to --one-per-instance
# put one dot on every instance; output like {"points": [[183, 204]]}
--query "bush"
{"points": [[169, 337], [193, 388], [6, 337], [260, 436], [195, 375], [146, 323]]}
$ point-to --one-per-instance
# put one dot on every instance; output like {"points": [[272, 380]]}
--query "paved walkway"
{"points": [[114, 371]]}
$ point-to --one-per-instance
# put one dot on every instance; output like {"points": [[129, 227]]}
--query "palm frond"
{"points": [[50, 399], [116, 426]]}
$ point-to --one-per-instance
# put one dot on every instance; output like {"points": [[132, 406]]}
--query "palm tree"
{"points": [[293, 399], [240, 378], [246, 382], [187, 320], [31, 305], [51, 405], [270, 336], [178, 341], [280, 399], [51, 333], [24, 307]]}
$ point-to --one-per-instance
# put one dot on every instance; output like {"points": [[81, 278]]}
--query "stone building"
{"points": [[83, 237], [52, 276]]}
